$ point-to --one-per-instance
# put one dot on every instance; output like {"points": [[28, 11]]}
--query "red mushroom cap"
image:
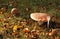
{"points": [[14, 11]]}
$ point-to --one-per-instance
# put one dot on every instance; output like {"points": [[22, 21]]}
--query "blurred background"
{"points": [[13, 23]]}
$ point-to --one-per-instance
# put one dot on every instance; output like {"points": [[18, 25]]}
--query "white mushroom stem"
{"points": [[48, 20]]}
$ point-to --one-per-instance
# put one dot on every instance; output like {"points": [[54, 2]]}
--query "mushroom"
{"points": [[14, 11], [40, 16]]}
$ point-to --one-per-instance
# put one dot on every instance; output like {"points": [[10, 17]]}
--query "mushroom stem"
{"points": [[48, 20]]}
